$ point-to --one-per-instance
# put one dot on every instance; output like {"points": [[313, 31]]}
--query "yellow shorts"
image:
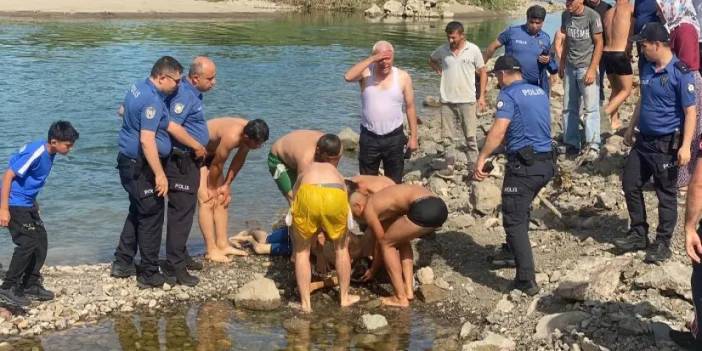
{"points": [[318, 207]]}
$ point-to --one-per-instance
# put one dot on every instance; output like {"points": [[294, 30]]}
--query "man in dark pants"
{"points": [[385, 89], [26, 175], [188, 130], [665, 117], [523, 117], [144, 145]]}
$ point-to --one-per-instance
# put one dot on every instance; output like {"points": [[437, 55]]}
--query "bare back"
{"points": [[368, 184], [395, 201], [296, 149], [320, 173], [617, 25], [225, 134]]}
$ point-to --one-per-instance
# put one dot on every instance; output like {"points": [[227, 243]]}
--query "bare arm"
{"points": [[236, 164], [629, 134], [148, 145], [591, 74], [436, 66], [355, 73], [491, 49], [217, 166], [688, 133], [693, 212], [373, 221], [494, 138], [5, 198], [483, 82], [180, 134], [408, 91]]}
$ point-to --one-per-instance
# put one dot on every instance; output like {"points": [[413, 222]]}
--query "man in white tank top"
{"points": [[385, 90]]}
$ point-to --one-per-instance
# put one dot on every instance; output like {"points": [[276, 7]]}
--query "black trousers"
{"points": [[652, 156], [697, 294], [522, 183], [144, 224], [29, 235], [388, 148], [183, 182]]}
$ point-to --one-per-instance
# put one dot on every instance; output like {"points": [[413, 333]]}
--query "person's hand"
{"points": [[225, 192], [693, 246], [684, 156], [200, 152], [629, 137], [412, 144], [543, 59], [482, 105], [561, 71], [120, 111], [161, 185], [381, 56], [368, 275], [590, 76], [439, 70], [4, 217], [478, 173]]}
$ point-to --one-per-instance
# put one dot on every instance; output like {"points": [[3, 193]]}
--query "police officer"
{"points": [[530, 46], [665, 118], [188, 130], [144, 145], [523, 118]]}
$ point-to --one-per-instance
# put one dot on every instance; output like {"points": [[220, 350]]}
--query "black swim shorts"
{"points": [[617, 62], [428, 212]]}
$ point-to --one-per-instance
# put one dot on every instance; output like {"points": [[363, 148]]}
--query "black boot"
{"points": [[192, 265], [120, 270], [685, 340], [528, 287], [38, 292], [178, 275], [14, 296], [150, 280]]}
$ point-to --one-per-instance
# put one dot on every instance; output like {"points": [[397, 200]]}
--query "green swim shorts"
{"points": [[284, 177]]}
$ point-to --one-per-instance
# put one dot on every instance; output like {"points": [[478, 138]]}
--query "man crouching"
{"points": [[396, 215]]}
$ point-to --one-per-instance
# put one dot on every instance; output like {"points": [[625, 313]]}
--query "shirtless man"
{"points": [[617, 57], [226, 134], [320, 205], [296, 150], [396, 215], [367, 184]]}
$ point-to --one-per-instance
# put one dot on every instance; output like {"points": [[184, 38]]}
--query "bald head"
{"points": [[381, 46], [199, 65], [202, 73]]}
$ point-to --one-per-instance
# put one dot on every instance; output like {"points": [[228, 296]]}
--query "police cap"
{"points": [[506, 62]]}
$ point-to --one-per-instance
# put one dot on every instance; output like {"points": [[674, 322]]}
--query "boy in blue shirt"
{"points": [[26, 175]]}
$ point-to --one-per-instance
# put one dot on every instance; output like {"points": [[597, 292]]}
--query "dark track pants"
{"points": [[29, 235]]}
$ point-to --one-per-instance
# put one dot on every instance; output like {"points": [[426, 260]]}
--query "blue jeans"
{"points": [[574, 88]]}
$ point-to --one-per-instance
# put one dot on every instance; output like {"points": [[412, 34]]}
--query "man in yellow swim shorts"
{"points": [[320, 205]]}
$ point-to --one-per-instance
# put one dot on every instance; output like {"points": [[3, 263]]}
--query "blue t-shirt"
{"points": [[527, 107], [645, 11], [526, 48], [31, 165], [144, 108], [186, 109], [664, 95]]}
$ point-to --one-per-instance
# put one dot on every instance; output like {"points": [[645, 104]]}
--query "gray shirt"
{"points": [[458, 72], [580, 32]]}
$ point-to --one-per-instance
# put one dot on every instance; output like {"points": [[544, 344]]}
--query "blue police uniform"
{"points": [[183, 172], [31, 166], [664, 96], [530, 165], [526, 48], [144, 109]]}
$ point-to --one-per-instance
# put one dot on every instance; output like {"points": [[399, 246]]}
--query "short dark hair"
{"points": [[351, 186], [257, 130], [329, 145], [454, 26], [536, 12], [164, 65], [62, 131]]}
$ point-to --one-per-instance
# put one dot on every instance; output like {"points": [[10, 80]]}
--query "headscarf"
{"points": [[677, 12]]}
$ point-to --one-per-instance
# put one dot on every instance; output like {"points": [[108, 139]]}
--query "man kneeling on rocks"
{"points": [[320, 206], [396, 215]]}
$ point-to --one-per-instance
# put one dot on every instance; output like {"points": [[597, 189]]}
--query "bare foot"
{"points": [[615, 122], [410, 295], [233, 251], [394, 301], [216, 256], [305, 308], [350, 300]]}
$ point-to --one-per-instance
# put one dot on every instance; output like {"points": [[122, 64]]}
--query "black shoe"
{"points": [[658, 252], [502, 257], [192, 265], [38, 292], [528, 287], [148, 281], [633, 241], [685, 340], [14, 296], [120, 270], [175, 276]]}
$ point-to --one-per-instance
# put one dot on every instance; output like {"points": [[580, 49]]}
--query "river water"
{"points": [[287, 70]]}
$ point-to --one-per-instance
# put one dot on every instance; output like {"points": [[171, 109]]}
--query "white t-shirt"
{"points": [[458, 72]]}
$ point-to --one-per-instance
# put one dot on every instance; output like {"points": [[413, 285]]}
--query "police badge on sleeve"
{"points": [[150, 112], [500, 104], [691, 87], [178, 108]]}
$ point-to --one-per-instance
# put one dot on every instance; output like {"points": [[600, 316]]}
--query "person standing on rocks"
{"points": [[188, 130], [523, 123], [296, 150], [396, 215], [531, 46], [457, 62], [214, 194], [385, 89], [582, 27], [616, 58], [601, 8], [144, 145], [26, 175], [665, 117]]}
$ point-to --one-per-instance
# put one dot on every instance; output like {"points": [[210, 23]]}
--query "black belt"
{"points": [[664, 137], [176, 151], [398, 131], [538, 156]]}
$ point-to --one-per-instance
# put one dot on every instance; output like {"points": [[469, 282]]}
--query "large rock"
{"points": [[393, 8], [485, 196], [259, 295], [415, 8], [672, 277], [425, 275], [431, 101], [593, 279], [431, 293], [459, 222], [491, 342], [373, 11], [349, 139], [373, 322], [560, 321]]}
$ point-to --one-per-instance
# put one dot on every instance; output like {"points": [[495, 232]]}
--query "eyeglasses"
{"points": [[175, 80]]}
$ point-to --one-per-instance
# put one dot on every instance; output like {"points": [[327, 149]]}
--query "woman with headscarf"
{"points": [[680, 19]]}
